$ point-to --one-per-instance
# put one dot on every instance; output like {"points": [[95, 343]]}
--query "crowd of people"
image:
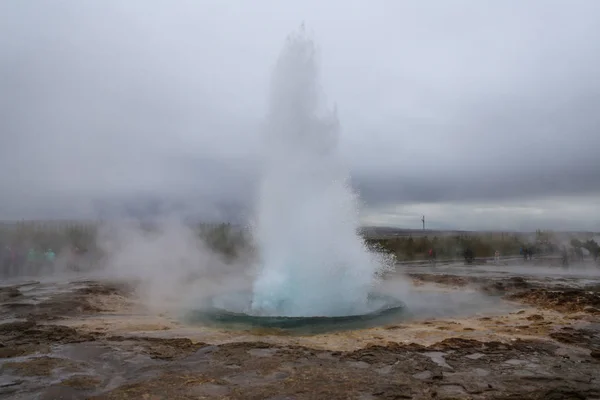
{"points": [[16, 260], [33, 261], [573, 254], [527, 253]]}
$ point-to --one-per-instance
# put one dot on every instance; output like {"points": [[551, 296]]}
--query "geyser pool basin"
{"points": [[226, 312]]}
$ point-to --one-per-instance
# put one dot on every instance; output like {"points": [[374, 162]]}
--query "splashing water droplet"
{"points": [[313, 261]]}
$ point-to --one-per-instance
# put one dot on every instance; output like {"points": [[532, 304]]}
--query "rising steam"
{"points": [[313, 262]]}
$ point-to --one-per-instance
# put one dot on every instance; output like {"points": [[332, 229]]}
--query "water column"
{"points": [[312, 260]]}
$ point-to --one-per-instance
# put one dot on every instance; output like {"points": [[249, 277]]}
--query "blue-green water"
{"points": [[384, 309]]}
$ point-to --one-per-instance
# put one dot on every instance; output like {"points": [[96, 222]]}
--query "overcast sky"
{"points": [[478, 114]]}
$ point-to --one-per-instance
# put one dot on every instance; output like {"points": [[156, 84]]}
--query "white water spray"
{"points": [[313, 262]]}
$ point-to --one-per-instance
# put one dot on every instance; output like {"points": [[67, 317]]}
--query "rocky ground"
{"points": [[85, 340]]}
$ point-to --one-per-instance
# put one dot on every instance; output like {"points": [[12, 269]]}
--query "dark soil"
{"points": [[161, 348], [62, 362], [22, 338], [487, 285], [9, 293], [454, 369], [566, 300], [40, 366], [106, 289]]}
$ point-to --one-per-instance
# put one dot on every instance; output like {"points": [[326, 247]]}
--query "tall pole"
{"points": [[423, 220]]}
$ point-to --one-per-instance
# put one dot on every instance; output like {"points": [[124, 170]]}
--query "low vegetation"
{"points": [[410, 248], [230, 241]]}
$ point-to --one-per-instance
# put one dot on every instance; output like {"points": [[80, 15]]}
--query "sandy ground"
{"points": [[518, 334]]}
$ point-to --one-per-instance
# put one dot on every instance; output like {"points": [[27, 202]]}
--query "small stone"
{"points": [[262, 352], [481, 372], [438, 358], [358, 364], [562, 352], [385, 370], [515, 362], [423, 375], [475, 356]]}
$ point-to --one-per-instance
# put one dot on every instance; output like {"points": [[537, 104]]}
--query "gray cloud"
{"points": [[106, 103]]}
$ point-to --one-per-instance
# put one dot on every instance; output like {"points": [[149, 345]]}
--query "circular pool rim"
{"points": [[390, 309]]}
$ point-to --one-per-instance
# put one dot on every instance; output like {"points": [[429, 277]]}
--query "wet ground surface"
{"points": [[538, 337]]}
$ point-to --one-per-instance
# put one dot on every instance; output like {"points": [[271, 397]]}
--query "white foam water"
{"points": [[313, 262]]}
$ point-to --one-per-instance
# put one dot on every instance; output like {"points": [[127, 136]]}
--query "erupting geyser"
{"points": [[315, 270], [313, 261]]}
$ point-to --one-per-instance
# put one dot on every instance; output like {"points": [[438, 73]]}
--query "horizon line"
{"points": [[362, 227]]}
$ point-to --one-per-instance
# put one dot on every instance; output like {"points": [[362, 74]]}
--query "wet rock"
{"points": [[358, 364], [262, 352], [163, 348], [393, 391], [518, 282], [325, 356], [564, 393], [562, 352], [451, 392], [9, 293], [58, 308], [247, 379], [238, 353], [495, 288], [423, 375], [457, 344], [394, 327], [438, 358], [10, 383], [82, 382], [23, 338], [532, 346], [385, 370], [56, 392], [564, 300], [209, 389], [124, 367], [23, 350], [515, 362], [566, 337], [278, 376], [387, 354], [475, 356], [480, 372], [585, 338], [40, 366], [106, 289], [443, 279]]}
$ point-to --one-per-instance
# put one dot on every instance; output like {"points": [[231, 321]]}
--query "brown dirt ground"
{"points": [[550, 350]]}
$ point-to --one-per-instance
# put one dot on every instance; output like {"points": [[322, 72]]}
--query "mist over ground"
{"points": [[479, 115]]}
